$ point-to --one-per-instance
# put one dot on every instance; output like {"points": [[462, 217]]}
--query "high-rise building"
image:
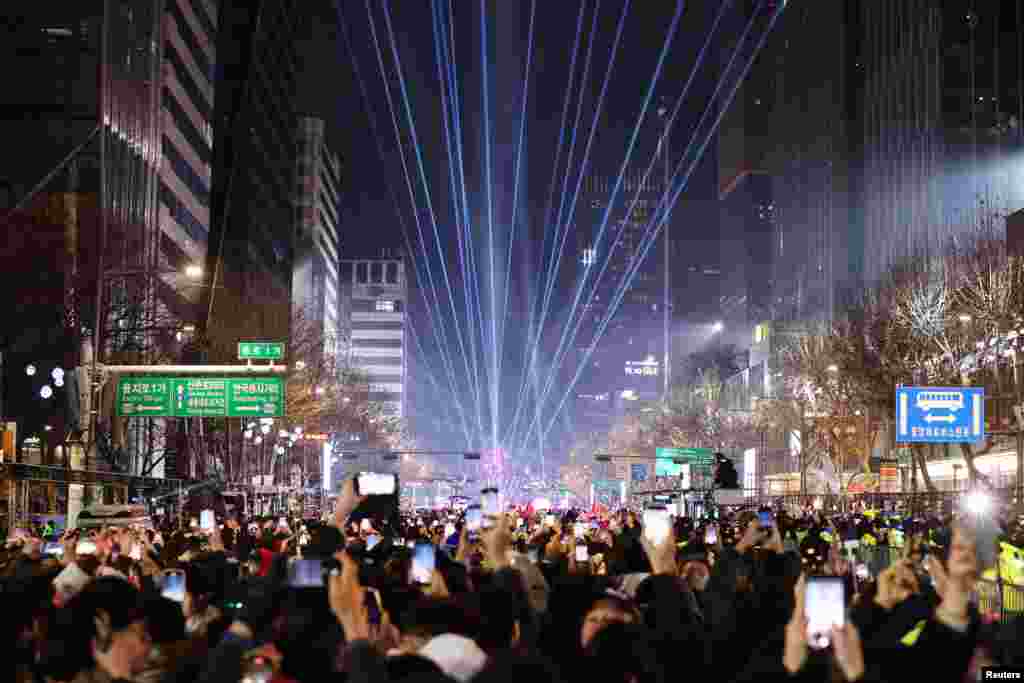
{"points": [[189, 62], [315, 281], [374, 293], [252, 206], [626, 363]]}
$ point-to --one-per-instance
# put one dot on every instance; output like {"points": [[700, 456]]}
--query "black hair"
{"points": [[165, 620], [68, 649]]}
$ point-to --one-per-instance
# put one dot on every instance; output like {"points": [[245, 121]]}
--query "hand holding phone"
{"points": [[711, 535], [582, 553], [824, 608], [656, 525], [424, 562]]}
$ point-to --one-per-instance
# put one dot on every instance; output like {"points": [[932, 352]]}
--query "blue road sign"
{"points": [[940, 414]]}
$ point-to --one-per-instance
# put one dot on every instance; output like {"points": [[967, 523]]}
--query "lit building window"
{"points": [[385, 306], [588, 256]]}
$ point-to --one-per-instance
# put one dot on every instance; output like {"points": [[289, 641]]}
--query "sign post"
{"points": [[940, 414]]}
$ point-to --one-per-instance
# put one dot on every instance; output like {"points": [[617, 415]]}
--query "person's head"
{"points": [[607, 609], [604, 655], [165, 620], [103, 627]]}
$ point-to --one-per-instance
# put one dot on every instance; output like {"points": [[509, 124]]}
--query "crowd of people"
{"points": [[370, 596]]}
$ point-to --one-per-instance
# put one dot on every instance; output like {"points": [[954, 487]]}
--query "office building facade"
{"points": [[374, 295], [188, 71], [315, 279]]}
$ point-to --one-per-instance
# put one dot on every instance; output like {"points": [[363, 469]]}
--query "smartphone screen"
{"points": [[174, 585], [53, 548], [579, 530], [656, 525], [710, 536], [207, 520], [489, 502], [371, 541], [766, 518], [424, 561], [375, 484], [582, 554], [305, 573], [549, 520], [474, 516], [85, 548], [824, 607]]}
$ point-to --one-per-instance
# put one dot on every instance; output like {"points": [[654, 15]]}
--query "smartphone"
{"points": [[371, 541], [533, 554], [710, 536], [424, 561], [656, 524], [53, 548], [489, 502], [824, 607], [174, 585], [579, 530], [207, 520], [582, 554], [474, 517], [375, 484], [85, 547], [549, 520], [306, 573], [766, 518]]}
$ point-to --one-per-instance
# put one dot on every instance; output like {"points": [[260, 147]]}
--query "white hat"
{"points": [[457, 656]]}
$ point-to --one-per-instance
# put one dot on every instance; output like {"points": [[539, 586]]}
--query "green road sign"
{"points": [[693, 456], [200, 397], [260, 350], [256, 396], [143, 397]]}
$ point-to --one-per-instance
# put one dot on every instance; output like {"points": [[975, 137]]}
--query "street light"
{"points": [[46, 391], [300, 365], [30, 370], [717, 327], [833, 368], [193, 272], [265, 429], [964, 318]]}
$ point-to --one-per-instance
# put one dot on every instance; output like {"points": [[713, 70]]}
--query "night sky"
{"points": [[343, 82]]}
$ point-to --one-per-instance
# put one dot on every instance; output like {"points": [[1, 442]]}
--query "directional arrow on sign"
{"points": [[929, 418]]}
